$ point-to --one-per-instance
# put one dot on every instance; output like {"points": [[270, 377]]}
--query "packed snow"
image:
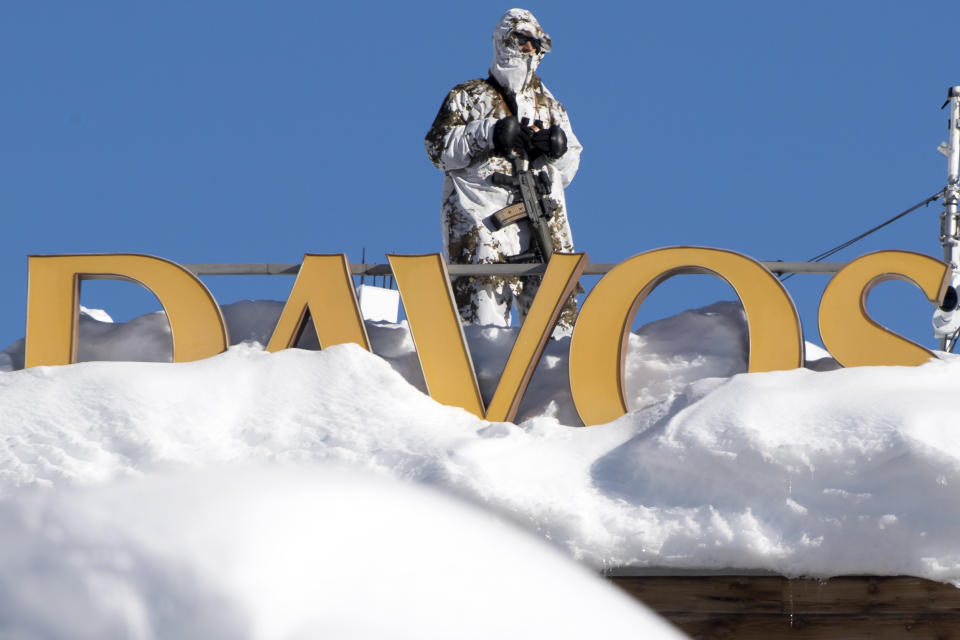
{"points": [[122, 476]]}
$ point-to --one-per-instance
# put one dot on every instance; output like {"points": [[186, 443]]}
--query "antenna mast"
{"points": [[949, 228], [946, 319]]}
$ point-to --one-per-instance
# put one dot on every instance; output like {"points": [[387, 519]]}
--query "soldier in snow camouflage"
{"points": [[463, 143]]}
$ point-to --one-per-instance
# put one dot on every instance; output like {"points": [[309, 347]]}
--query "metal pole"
{"points": [[946, 319], [498, 269], [949, 227]]}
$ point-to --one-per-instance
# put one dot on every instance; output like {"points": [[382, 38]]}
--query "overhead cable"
{"points": [[826, 254]]}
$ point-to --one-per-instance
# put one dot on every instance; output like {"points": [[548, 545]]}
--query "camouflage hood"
{"points": [[511, 68]]}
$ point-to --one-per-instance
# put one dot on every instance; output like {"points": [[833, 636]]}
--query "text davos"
{"points": [[324, 292]]}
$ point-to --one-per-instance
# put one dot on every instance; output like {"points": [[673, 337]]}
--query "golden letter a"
{"points": [[324, 290]]}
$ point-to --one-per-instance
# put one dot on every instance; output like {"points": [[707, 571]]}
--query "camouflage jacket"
{"points": [[460, 143]]}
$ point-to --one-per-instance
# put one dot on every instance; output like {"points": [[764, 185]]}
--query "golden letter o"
{"points": [[600, 336]]}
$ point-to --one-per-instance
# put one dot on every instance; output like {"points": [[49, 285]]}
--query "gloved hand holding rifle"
{"points": [[521, 144]]}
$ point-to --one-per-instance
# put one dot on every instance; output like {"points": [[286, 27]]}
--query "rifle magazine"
{"points": [[509, 215]]}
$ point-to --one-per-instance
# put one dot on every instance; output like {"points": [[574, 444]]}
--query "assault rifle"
{"points": [[531, 207]]}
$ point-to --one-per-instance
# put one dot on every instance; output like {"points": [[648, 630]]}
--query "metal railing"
{"points": [[593, 268]]}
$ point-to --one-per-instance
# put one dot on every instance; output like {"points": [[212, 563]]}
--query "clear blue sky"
{"points": [[257, 131]]}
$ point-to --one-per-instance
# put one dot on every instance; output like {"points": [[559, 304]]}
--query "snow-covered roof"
{"points": [[803, 472]]}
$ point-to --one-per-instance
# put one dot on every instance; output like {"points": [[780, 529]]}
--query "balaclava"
{"points": [[511, 68]]}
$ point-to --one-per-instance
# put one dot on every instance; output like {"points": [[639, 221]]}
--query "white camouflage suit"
{"points": [[460, 143]]}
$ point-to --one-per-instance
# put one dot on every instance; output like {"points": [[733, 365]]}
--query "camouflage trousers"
{"points": [[490, 300]]}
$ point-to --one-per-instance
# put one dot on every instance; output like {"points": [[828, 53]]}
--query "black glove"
{"points": [[550, 142], [509, 135]]}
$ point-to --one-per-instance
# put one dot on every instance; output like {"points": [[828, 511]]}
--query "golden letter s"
{"points": [[850, 334]]}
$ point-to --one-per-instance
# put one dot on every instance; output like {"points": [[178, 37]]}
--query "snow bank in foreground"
{"points": [[295, 553]]}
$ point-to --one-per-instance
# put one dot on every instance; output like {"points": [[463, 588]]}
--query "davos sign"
{"points": [[324, 292]]}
